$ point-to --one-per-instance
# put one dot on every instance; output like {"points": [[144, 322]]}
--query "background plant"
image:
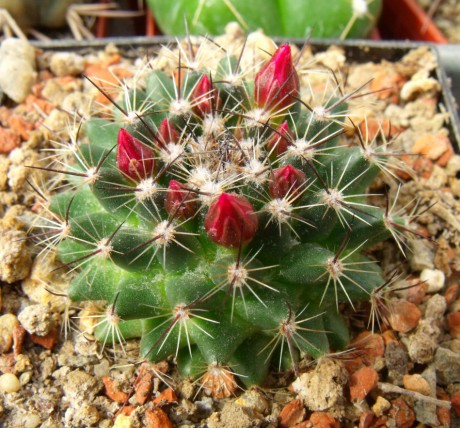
{"points": [[289, 18]]}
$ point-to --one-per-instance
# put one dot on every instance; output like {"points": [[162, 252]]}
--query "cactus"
{"points": [[222, 219], [288, 18]]}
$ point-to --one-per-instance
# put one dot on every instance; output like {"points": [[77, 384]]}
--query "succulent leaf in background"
{"points": [[288, 18], [222, 219]]}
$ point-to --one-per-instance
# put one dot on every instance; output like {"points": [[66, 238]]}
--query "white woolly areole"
{"points": [[171, 153], [146, 189], [164, 233], [180, 107], [280, 210]]}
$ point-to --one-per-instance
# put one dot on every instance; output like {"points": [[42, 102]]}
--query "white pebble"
{"points": [[17, 59], [434, 278], [7, 324], [66, 63], [9, 383], [32, 421]]}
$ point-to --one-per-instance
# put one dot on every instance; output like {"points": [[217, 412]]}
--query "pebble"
{"points": [[381, 406], [9, 141], [435, 307], [447, 365], [7, 324], [433, 146], [404, 315], [396, 360], [37, 319], [426, 412], [420, 83], [323, 420], [9, 383], [421, 255], [17, 58], [254, 403], [417, 383], [102, 369], [455, 400], [323, 387], [80, 387], [362, 382], [15, 258], [67, 64], [453, 166], [422, 344], [451, 294], [157, 418], [85, 415], [402, 414], [32, 421], [434, 278], [291, 414], [453, 321], [122, 421], [25, 377]]}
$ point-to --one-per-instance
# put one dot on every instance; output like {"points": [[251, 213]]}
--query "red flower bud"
{"points": [[179, 203], [134, 158], [231, 220], [166, 134], [277, 82], [279, 141], [204, 97], [286, 180]]}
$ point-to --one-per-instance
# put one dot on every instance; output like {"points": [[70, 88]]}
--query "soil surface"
{"points": [[404, 373]]}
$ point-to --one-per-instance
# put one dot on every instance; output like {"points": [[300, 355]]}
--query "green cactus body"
{"points": [[218, 227]]}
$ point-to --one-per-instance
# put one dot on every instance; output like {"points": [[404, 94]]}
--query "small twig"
{"points": [[388, 387]]}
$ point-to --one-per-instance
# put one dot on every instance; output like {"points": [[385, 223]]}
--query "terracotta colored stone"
{"points": [[366, 419], [455, 400], [362, 382], [453, 321], [166, 396], [371, 345], [380, 422], [20, 126], [33, 102], [436, 147], [417, 292], [7, 363], [112, 392], [442, 413], [125, 410], [157, 418], [323, 420], [451, 294], [9, 140], [387, 83], [48, 341], [291, 414], [19, 334], [404, 315], [371, 127], [143, 385], [402, 414], [389, 337]]}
